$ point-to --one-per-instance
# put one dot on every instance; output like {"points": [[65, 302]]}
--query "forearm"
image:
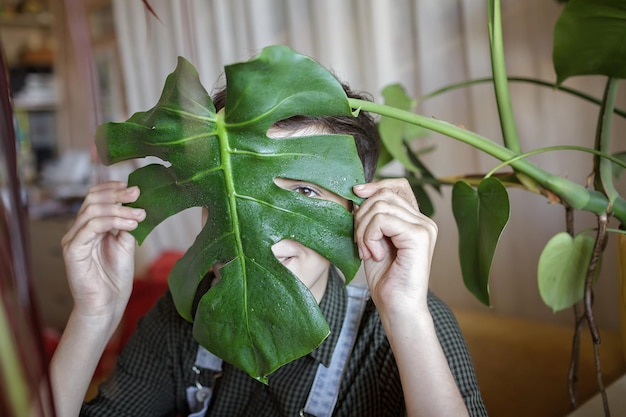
{"points": [[427, 382], [76, 358]]}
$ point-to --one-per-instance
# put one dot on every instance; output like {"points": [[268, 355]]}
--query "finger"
{"points": [[399, 186], [365, 215], [126, 240], [93, 210], [108, 185], [384, 202], [98, 192], [103, 211], [385, 235], [94, 231], [112, 194], [383, 229], [385, 211]]}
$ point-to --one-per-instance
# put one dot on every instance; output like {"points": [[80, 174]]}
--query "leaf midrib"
{"points": [[225, 155]]}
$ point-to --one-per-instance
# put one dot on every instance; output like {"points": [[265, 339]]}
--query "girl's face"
{"points": [[309, 266], [306, 264]]}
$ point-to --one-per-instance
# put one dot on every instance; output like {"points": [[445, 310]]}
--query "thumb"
{"points": [[126, 241]]}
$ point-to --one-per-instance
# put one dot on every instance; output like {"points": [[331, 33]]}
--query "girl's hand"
{"points": [[99, 252], [396, 243]]}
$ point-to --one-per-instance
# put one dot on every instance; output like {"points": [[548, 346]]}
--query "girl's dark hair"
{"points": [[362, 128]]}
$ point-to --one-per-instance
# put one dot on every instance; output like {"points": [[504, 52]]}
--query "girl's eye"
{"points": [[306, 191]]}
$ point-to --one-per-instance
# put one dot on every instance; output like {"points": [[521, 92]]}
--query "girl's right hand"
{"points": [[99, 250]]}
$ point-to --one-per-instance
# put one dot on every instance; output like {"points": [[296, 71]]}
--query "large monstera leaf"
{"points": [[259, 316]]}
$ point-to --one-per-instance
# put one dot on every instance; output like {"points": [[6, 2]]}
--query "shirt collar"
{"points": [[333, 307]]}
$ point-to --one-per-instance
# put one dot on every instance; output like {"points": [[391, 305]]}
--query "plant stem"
{"points": [[588, 300], [599, 155], [572, 375], [572, 194], [500, 79], [577, 93], [602, 168]]}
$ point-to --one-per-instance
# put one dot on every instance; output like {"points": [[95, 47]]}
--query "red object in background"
{"points": [[146, 290]]}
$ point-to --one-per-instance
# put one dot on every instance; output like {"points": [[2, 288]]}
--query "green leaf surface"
{"points": [[480, 214], [589, 39], [424, 201], [384, 158], [259, 316], [396, 137], [395, 133], [562, 270]]}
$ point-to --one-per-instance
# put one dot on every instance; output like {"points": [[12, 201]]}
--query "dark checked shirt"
{"points": [[155, 368]]}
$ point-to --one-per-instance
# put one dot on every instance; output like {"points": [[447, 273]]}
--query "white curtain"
{"points": [[423, 44]]}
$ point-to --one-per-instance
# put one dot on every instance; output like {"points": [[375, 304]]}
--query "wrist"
{"points": [[404, 314], [401, 306], [102, 323]]}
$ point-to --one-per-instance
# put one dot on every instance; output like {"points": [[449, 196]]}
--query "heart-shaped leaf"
{"points": [[589, 39], [480, 217], [562, 270], [259, 316]]}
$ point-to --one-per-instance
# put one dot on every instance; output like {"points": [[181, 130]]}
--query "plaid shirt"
{"points": [[155, 368]]}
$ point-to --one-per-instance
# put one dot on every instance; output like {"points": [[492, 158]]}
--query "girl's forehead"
{"points": [[295, 131]]}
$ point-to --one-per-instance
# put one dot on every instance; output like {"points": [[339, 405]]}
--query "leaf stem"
{"points": [[588, 303], [577, 93], [572, 194], [579, 320], [596, 152], [500, 79], [602, 168]]}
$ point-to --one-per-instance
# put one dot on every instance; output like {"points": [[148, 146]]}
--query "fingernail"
{"points": [[359, 187]]}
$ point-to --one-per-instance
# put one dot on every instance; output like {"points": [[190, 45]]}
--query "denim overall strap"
{"points": [[325, 389], [199, 396]]}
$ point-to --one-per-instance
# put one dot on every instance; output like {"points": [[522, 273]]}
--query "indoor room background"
{"points": [[422, 44]]}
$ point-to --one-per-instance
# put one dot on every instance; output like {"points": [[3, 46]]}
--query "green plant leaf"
{"points": [[395, 133], [396, 137], [259, 316], [480, 215], [424, 201], [589, 39], [562, 270], [384, 158]]}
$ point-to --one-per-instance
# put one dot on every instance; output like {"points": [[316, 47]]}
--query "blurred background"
{"points": [[75, 64]]}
